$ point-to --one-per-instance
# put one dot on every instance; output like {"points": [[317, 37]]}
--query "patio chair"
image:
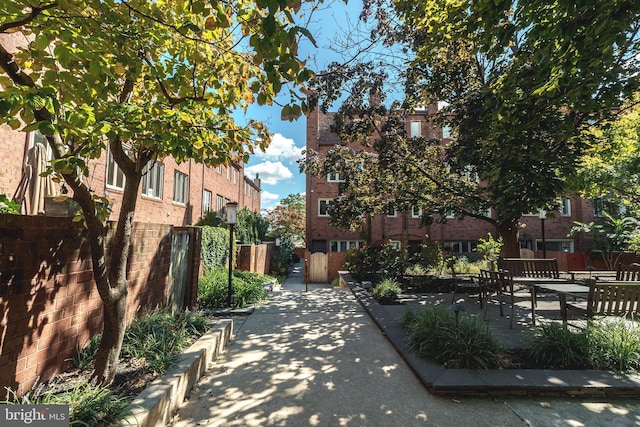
{"points": [[496, 285]]}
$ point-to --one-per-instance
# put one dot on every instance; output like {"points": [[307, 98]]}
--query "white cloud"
{"points": [[281, 148], [267, 199], [270, 172]]}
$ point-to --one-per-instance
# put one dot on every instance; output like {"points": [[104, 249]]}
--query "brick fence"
{"points": [[49, 304]]}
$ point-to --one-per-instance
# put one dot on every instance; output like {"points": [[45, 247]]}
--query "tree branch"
{"points": [[35, 11]]}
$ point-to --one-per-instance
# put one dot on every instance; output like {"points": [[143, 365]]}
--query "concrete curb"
{"points": [[497, 382], [158, 402]]}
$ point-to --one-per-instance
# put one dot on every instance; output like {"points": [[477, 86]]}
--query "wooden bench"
{"points": [[530, 267], [603, 299], [628, 272]]}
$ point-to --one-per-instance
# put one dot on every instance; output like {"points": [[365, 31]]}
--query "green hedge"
{"points": [[215, 247]]}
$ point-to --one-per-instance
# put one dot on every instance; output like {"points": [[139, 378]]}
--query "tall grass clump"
{"points": [[434, 334], [89, 404], [159, 337], [387, 290], [247, 288], [555, 347], [609, 344]]}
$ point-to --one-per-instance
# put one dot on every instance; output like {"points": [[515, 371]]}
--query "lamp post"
{"points": [[232, 210], [542, 214]]}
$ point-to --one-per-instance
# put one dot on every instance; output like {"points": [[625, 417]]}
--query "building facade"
{"points": [[456, 236], [171, 193]]}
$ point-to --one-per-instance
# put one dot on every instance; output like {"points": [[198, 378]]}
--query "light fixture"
{"points": [[232, 218]]}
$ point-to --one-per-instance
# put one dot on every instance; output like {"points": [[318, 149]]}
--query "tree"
{"points": [[518, 82], [144, 80], [251, 227], [610, 166], [612, 236], [288, 220]]}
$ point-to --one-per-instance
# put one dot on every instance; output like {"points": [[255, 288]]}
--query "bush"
{"points": [[603, 344], [434, 334], [247, 288], [387, 290], [555, 347], [160, 337], [367, 263]]}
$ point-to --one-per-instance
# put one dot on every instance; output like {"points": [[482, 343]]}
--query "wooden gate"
{"points": [[179, 271], [318, 267]]}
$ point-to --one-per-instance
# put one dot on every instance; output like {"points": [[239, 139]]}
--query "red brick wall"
{"points": [[49, 305], [255, 257]]}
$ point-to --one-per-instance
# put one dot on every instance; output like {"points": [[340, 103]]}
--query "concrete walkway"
{"points": [[316, 358]]}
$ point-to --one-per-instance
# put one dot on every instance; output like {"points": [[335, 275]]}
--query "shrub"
{"points": [[615, 345], [386, 290], [247, 288], [85, 356], [555, 347], [434, 334], [159, 337], [367, 263]]}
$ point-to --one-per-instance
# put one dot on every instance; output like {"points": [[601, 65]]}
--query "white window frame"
{"points": [[415, 214], [565, 206], [114, 177], [219, 204], [180, 187], [334, 177], [153, 180], [415, 129], [564, 242], [388, 210], [446, 131], [207, 199], [345, 245], [326, 203]]}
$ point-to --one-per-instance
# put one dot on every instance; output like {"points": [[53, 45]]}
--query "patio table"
{"points": [[562, 289], [535, 282]]}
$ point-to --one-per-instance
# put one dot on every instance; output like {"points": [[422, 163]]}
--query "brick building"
{"points": [[456, 236], [171, 193]]}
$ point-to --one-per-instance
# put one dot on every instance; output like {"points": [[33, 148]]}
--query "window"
{"points": [[565, 209], [334, 177], [345, 245], [180, 187], [446, 131], [207, 197], [391, 210], [604, 204], [152, 179], [394, 244], [415, 130], [323, 204], [219, 169], [115, 177], [219, 203], [460, 247], [229, 173], [416, 212], [555, 245]]}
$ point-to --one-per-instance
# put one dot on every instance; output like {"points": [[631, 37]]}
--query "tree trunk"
{"points": [[509, 232], [111, 279]]}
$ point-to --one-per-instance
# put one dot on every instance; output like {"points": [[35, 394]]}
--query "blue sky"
{"points": [[277, 166]]}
